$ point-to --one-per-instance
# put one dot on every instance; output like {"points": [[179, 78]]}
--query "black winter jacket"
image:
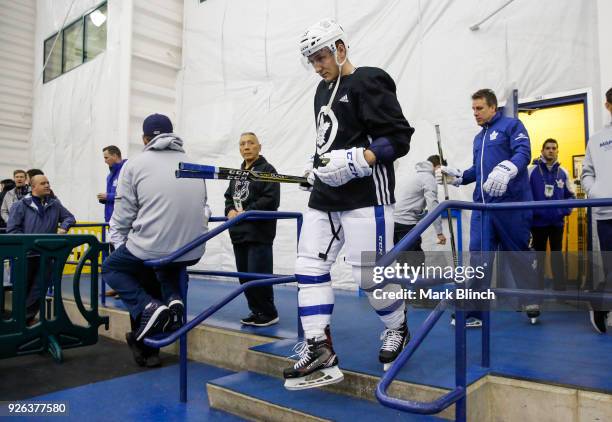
{"points": [[260, 196]]}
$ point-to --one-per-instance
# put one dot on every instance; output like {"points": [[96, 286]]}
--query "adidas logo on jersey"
{"points": [[344, 99]]}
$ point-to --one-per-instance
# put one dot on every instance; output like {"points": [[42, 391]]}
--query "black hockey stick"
{"points": [[199, 171], [451, 230]]}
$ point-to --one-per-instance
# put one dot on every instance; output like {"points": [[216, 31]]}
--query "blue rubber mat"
{"points": [[562, 349], [147, 396]]}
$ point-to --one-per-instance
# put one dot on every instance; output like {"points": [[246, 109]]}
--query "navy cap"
{"points": [[156, 124]]}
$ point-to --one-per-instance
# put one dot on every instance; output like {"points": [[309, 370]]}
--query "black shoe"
{"points": [[598, 320], [533, 313], [153, 360], [259, 320], [394, 342], [177, 313], [153, 320], [138, 353]]}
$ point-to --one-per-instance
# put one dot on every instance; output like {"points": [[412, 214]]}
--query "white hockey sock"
{"points": [[315, 306], [395, 319]]}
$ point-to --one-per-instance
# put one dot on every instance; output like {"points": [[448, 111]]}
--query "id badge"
{"points": [[238, 204], [549, 190]]}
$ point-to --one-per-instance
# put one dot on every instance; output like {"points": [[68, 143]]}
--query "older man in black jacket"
{"points": [[252, 240]]}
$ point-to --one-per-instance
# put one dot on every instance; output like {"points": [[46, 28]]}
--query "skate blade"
{"points": [[533, 321], [316, 379], [386, 366]]}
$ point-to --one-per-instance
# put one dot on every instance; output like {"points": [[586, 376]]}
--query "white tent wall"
{"points": [[81, 111], [17, 23], [604, 28], [242, 72]]}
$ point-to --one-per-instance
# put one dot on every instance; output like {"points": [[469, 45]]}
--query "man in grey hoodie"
{"points": [[596, 176], [415, 196], [155, 214]]}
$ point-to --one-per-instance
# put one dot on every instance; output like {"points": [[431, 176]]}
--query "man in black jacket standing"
{"points": [[252, 240]]}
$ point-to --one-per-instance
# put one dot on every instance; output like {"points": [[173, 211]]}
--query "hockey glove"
{"points": [[343, 166], [309, 175], [498, 179], [456, 175]]}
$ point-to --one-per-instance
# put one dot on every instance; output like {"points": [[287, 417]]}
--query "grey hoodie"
{"points": [[416, 194], [597, 170], [156, 212]]}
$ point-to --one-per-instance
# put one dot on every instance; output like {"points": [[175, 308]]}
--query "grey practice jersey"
{"points": [[364, 109]]}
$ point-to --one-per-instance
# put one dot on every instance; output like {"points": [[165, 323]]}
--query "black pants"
{"points": [[256, 258], [148, 280], [414, 255], [554, 236], [604, 232], [36, 290]]}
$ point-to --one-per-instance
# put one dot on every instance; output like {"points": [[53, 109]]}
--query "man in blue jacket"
{"points": [[550, 181], [41, 213], [112, 158], [501, 154]]}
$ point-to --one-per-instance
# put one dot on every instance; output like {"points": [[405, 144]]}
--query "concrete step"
{"points": [[259, 397], [270, 359]]}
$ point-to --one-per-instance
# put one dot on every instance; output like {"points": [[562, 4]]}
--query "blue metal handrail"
{"points": [[181, 334], [200, 240], [459, 393], [158, 342]]}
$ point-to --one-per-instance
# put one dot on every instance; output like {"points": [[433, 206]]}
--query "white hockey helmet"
{"points": [[322, 34]]}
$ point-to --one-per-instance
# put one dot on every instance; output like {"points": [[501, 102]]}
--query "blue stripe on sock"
{"points": [[391, 308], [381, 241], [313, 279], [315, 310]]}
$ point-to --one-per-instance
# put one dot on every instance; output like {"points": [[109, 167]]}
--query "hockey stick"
{"points": [[199, 171], [451, 230]]}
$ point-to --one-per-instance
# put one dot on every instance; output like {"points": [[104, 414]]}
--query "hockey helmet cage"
{"points": [[322, 34]]}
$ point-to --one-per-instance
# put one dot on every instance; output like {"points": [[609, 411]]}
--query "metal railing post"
{"points": [[485, 313], [300, 328], [102, 283], [460, 363], [184, 282]]}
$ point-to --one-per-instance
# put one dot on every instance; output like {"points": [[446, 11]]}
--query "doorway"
{"points": [[564, 119]]}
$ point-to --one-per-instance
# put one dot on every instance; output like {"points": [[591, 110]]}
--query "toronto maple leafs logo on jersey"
{"points": [[493, 135], [241, 190], [327, 128]]}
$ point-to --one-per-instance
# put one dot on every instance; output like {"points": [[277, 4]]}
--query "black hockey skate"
{"points": [[394, 342], [318, 365]]}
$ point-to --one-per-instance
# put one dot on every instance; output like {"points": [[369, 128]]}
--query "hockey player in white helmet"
{"points": [[360, 132]]}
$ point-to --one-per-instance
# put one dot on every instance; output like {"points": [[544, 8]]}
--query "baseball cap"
{"points": [[156, 124]]}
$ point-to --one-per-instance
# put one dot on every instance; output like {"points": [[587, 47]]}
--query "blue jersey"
{"points": [[502, 138]]}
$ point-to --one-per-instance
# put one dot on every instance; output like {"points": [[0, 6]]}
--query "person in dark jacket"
{"points": [[38, 213], [549, 181], [7, 185], [252, 240], [20, 190]]}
